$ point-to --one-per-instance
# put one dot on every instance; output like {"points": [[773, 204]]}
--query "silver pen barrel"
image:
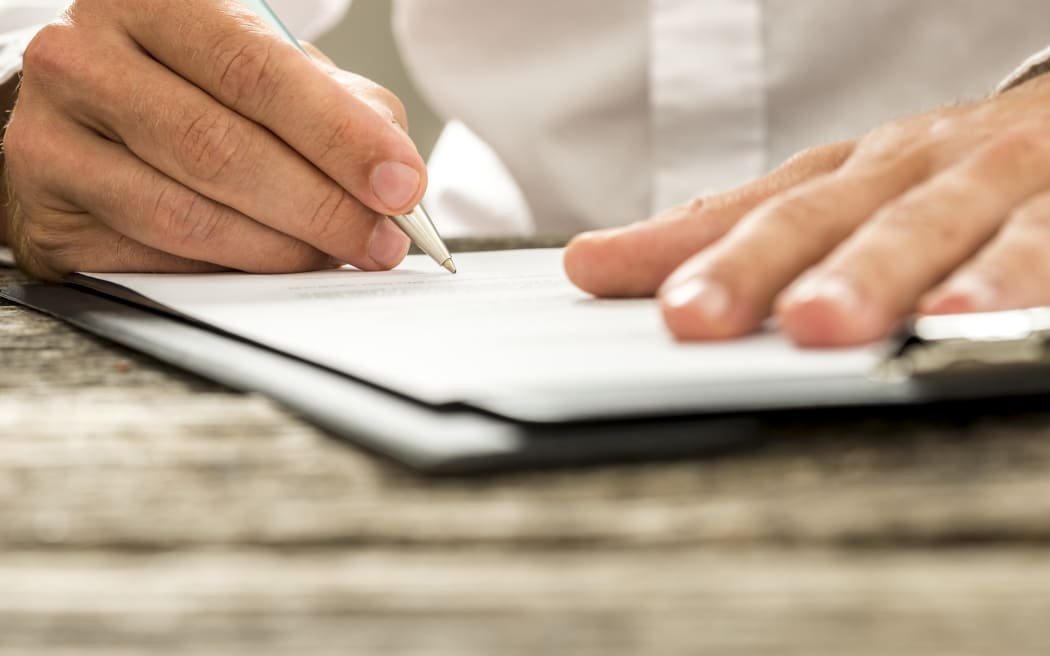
{"points": [[420, 229]]}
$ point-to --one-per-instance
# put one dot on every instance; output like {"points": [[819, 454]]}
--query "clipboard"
{"points": [[435, 440], [962, 357]]}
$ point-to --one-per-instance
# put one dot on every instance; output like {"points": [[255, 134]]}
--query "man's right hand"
{"points": [[185, 136]]}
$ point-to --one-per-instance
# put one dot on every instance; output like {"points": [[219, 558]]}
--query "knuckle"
{"points": [[246, 74], [1008, 147], [52, 54], [183, 219], [817, 158], [122, 250], [381, 100], [1018, 152], [209, 145], [695, 207], [390, 100], [802, 159], [803, 166], [803, 218], [343, 139], [893, 143], [328, 220], [916, 219], [882, 153], [886, 136], [945, 126]]}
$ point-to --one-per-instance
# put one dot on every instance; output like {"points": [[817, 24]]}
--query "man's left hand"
{"points": [[944, 212]]}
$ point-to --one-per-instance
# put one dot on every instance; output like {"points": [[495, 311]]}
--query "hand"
{"points": [[944, 212], [7, 101], [183, 136]]}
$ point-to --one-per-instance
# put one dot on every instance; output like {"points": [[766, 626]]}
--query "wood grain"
{"points": [[484, 602], [147, 511]]}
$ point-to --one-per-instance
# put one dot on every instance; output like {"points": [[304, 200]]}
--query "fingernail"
{"points": [[834, 290], [968, 292], [395, 185], [388, 245], [710, 298]]}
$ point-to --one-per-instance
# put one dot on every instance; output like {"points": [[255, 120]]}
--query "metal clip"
{"points": [[939, 344]]}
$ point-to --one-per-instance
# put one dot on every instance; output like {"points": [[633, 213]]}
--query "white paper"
{"points": [[508, 326], [7, 258]]}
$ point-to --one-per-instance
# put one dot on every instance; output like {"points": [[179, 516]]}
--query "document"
{"points": [[509, 334], [7, 258]]}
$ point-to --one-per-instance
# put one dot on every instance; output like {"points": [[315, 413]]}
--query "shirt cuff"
{"points": [[12, 47], [1035, 66]]}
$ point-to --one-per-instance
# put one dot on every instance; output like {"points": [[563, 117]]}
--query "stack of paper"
{"points": [[508, 334]]}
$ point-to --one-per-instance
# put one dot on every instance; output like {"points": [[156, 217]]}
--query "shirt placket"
{"points": [[707, 98]]}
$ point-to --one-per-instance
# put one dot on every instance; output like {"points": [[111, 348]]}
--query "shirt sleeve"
{"points": [[1036, 65], [20, 20]]}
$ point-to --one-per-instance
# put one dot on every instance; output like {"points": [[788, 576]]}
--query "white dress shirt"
{"points": [[607, 111], [573, 114]]}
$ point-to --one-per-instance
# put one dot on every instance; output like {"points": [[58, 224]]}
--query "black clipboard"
{"points": [[939, 359], [439, 440]]}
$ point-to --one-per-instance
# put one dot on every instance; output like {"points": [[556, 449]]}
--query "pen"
{"points": [[416, 224]]}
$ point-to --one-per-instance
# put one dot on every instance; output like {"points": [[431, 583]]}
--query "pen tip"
{"points": [[449, 265]]}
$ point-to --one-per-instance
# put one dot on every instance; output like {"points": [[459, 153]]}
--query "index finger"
{"points": [[635, 260], [234, 56]]}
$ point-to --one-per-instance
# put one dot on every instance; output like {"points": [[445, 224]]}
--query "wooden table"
{"points": [[146, 511]]}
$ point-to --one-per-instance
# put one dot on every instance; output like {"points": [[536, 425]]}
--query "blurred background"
{"points": [[363, 43]]}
